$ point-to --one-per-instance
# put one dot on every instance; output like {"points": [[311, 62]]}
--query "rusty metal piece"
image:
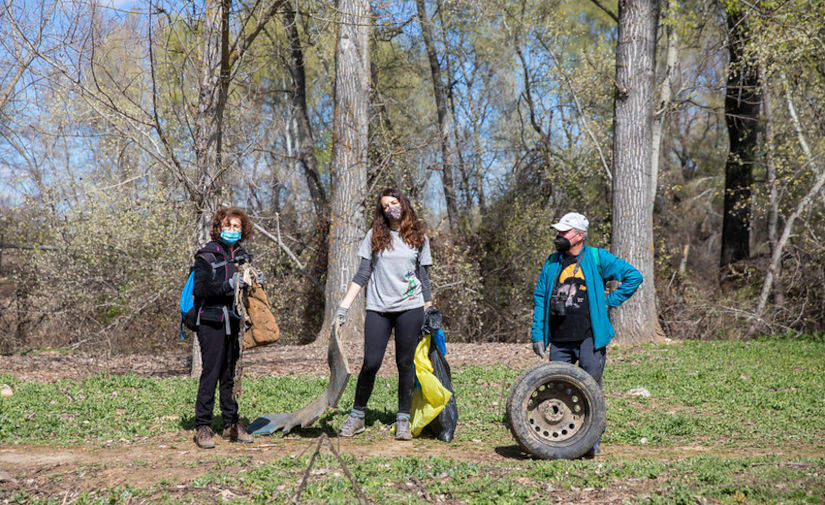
{"points": [[339, 373]]}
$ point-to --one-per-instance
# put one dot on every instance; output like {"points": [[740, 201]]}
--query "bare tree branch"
{"points": [[607, 11], [288, 251], [776, 257]]}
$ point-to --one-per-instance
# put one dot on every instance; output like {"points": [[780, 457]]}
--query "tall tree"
{"points": [[742, 104], [303, 127], [308, 161], [664, 99], [636, 320], [440, 92], [213, 85], [217, 61], [350, 132]]}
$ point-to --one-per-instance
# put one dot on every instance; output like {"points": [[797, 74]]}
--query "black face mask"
{"points": [[562, 244]]}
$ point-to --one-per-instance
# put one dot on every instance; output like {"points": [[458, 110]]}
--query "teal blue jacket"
{"points": [[612, 269]]}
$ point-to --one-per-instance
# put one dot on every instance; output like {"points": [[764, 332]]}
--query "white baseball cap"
{"points": [[572, 220]]}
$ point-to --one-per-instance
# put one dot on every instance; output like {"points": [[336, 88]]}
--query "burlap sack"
{"points": [[264, 329], [260, 327]]}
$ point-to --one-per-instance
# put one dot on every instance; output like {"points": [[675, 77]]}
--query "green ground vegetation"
{"points": [[754, 410]]}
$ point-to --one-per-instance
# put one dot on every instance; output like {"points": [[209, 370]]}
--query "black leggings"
{"points": [[377, 329]]}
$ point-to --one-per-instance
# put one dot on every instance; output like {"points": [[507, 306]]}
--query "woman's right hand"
{"points": [[236, 279], [341, 314]]}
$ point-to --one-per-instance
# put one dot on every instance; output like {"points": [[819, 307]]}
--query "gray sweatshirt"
{"points": [[398, 276]]}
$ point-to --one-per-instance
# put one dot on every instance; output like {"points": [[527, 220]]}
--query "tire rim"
{"points": [[557, 410]]}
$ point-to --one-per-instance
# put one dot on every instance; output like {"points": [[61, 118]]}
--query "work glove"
{"points": [[259, 277], [341, 314], [236, 280], [538, 348]]}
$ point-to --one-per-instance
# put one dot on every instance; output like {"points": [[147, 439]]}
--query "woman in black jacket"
{"points": [[218, 327]]}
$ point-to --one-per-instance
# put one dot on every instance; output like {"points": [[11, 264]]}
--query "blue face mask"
{"points": [[230, 237]]}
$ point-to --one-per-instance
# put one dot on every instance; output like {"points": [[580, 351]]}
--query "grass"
{"points": [[411, 480], [755, 394], [757, 407]]}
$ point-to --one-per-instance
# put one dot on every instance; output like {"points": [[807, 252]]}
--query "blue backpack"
{"points": [[189, 306]]}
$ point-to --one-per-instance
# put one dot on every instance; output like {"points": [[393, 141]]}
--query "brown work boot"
{"points": [[203, 437], [236, 432]]}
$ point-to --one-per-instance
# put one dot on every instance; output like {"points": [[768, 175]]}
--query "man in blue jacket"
{"points": [[569, 302]]}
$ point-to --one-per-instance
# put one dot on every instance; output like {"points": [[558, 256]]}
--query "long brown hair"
{"points": [[223, 215], [411, 229]]}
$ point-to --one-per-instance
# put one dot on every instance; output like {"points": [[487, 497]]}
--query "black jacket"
{"points": [[211, 288]]}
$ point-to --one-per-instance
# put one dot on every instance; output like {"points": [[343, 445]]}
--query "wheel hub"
{"points": [[556, 411], [553, 410]]}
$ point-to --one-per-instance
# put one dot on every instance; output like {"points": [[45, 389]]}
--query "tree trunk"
{"points": [[306, 140], [773, 190], [309, 164], [212, 91], [742, 103], [349, 162], [664, 99], [637, 320], [440, 93], [449, 89]]}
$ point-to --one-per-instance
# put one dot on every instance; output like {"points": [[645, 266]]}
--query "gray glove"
{"points": [[341, 314], [236, 279], [538, 348], [259, 277]]}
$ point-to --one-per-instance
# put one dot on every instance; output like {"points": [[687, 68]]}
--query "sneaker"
{"points": [[352, 426], [203, 437], [236, 432], [402, 429]]}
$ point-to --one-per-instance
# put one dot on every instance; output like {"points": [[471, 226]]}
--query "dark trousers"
{"points": [[590, 359], [219, 353], [377, 329]]}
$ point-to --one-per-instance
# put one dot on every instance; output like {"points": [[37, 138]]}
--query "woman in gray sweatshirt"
{"points": [[395, 256]]}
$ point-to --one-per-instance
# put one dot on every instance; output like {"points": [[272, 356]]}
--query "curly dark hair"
{"points": [[411, 229], [223, 215]]}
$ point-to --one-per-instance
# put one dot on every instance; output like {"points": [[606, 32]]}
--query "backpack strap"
{"points": [[594, 251], [212, 259]]}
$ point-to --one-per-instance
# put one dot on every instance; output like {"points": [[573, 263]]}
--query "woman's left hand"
{"points": [[427, 305]]}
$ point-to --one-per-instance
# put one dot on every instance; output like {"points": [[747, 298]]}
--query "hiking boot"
{"points": [[593, 452], [236, 432], [352, 426], [203, 437], [402, 429]]}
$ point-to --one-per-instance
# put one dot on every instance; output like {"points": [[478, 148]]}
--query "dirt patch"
{"points": [[178, 450], [276, 360], [171, 463]]}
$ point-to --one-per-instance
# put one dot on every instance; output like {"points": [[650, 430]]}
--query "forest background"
{"points": [[123, 125]]}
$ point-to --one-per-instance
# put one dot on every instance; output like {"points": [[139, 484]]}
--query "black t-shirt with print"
{"points": [[575, 325]]}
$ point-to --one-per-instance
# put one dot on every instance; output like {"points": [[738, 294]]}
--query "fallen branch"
{"points": [[358, 493], [305, 478], [325, 438]]}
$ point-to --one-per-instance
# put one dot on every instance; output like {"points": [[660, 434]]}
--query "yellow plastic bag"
{"points": [[430, 400]]}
